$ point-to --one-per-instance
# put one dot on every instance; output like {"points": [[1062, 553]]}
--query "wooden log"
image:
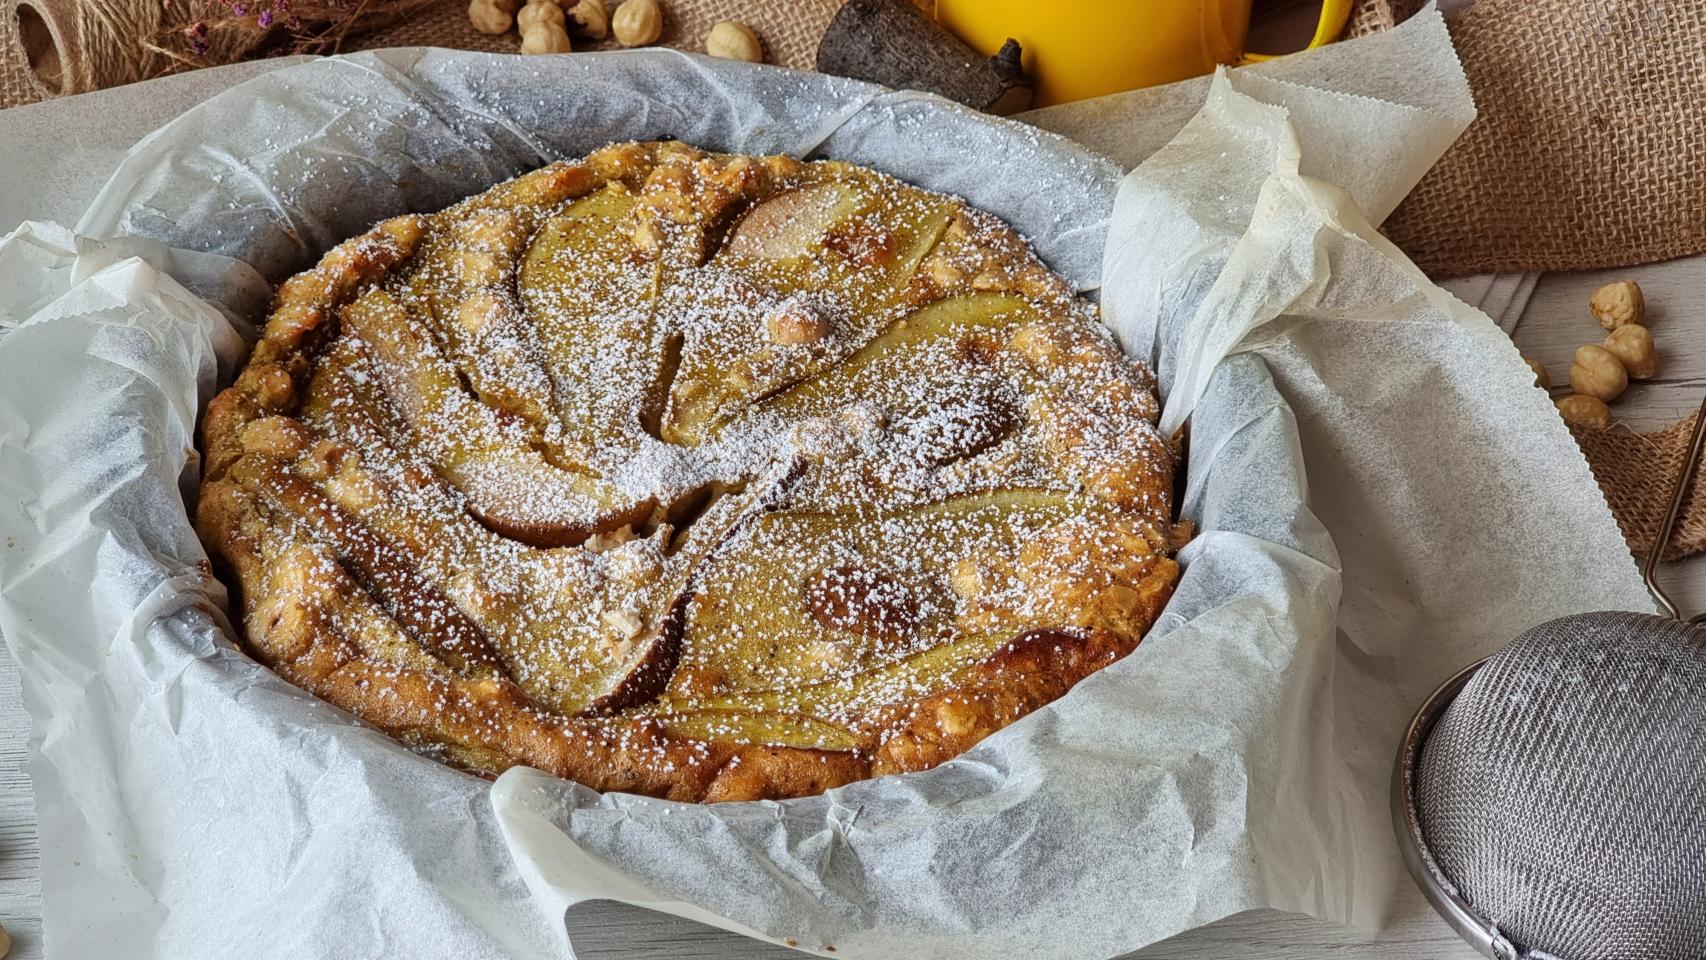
{"points": [[893, 43]]}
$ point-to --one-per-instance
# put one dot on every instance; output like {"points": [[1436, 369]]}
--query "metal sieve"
{"points": [[1550, 800]]}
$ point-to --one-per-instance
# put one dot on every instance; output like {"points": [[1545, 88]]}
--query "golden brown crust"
{"points": [[696, 476]]}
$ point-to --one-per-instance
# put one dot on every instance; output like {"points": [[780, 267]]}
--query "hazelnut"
{"points": [[1541, 379], [1633, 345], [624, 624], [491, 16], [830, 655], [542, 28], [479, 311], [733, 40], [957, 718], [1589, 413], [1598, 373], [795, 321], [637, 22], [648, 236], [589, 19], [1616, 304], [635, 563], [863, 419], [966, 578]]}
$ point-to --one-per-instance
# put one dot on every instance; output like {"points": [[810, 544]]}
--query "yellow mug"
{"points": [[1085, 48]]}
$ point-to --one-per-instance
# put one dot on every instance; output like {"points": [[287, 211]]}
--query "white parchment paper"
{"points": [[1381, 494]]}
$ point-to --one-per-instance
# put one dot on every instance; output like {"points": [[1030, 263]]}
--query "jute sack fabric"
{"points": [[1636, 472], [1590, 147], [16, 86]]}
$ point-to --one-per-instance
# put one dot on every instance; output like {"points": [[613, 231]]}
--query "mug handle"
{"points": [[1334, 15]]}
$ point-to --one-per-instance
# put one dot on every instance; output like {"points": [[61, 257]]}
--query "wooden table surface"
{"points": [[1554, 323]]}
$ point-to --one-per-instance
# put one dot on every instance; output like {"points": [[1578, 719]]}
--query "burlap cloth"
{"points": [[1636, 472], [1590, 151]]}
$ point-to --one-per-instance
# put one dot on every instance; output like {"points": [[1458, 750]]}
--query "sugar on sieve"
{"points": [[1550, 800]]}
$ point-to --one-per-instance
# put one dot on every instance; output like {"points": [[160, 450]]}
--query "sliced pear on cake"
{"points": [[495, 461], [808, 275]]}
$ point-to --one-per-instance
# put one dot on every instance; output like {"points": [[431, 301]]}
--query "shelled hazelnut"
{"points": [[543, 28], [589, 19], [1597, 372], [1632, 344], [1589, 413], [1617, 304], [491, 16], [1541, 378], [733, 40], [1601, 372], [637, 22]]}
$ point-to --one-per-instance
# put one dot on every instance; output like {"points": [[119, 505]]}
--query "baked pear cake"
{"points": [[700, 476]]}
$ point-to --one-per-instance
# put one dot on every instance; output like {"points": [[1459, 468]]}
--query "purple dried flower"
{"points": [[196, 34]]}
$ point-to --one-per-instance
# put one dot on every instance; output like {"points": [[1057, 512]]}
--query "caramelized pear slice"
{"points": [[465, 283], [789, 224], [494, 461], [929, 347], [530, 606], [799, 608], [829, 258], [592, 295]]}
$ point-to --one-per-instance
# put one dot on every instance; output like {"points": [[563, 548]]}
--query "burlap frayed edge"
{"points": [[1636, 473]]}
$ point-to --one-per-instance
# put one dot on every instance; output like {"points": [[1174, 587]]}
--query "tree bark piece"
{"points": [[893, 43]]}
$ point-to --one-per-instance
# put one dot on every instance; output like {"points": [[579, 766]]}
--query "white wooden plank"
{"points": [[20, 855], [1557, 322]]}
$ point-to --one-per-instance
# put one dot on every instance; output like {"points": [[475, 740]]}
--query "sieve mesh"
{"points": [[1562, 794]]}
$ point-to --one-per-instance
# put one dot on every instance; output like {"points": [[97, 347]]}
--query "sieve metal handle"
{"points": [[1678, 494]]}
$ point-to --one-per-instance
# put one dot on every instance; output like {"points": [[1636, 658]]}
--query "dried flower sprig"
{"points": [[210, 32]]}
